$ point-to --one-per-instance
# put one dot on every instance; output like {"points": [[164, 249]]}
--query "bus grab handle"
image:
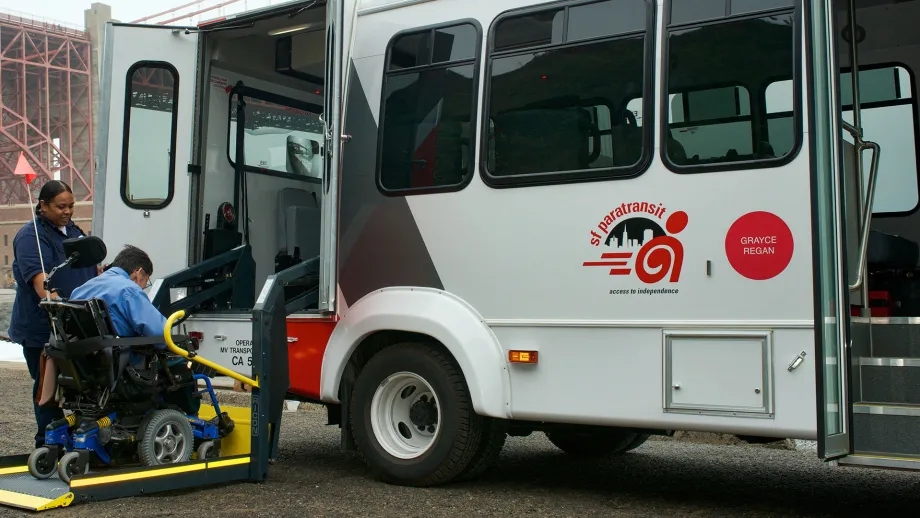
{"points": [[870, 197], [173, 348]]}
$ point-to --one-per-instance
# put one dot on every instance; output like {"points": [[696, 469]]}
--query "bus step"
{"points": [[886, 429], [890, 380], [881, 461], [896, 337]]}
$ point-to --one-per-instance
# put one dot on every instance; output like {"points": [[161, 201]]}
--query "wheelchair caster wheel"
{"points": [[41, 465], [206, 451], [67, 467]]}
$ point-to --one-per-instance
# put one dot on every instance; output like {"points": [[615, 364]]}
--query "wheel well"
{"points": [[379, 341], [367, 349]]}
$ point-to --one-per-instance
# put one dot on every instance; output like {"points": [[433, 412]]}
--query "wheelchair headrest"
{"points": [[89, 250]]}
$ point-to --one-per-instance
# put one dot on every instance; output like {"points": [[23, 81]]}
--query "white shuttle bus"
{"points": [[600, 220]]}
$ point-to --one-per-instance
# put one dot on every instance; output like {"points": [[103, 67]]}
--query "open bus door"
{"points": [[846, 169], [832, 298], [333, 107], [146, 122]]}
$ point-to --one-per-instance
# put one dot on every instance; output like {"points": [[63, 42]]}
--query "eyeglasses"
{"points": [[149, 283]]}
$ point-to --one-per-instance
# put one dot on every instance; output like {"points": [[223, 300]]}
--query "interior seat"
{"points": [[891, 252], [541, 139], [298, 222]]}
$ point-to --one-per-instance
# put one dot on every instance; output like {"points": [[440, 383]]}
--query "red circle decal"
{"points": [[759, 245]]}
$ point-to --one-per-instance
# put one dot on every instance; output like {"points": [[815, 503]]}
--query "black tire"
{"points": [[595, 442], [459, 431], [40, 466], [154, 424], [494, 434], [638, 441], [753, 439], [67, 466]]}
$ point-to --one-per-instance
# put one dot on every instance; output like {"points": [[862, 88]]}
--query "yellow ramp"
{"points": [[20, 489]]}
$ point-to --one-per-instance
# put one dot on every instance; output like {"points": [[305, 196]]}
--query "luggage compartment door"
{"points": [[146, 121]]}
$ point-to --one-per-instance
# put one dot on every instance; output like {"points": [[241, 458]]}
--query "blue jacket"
{"points": [[130, 309], [29, 323]]}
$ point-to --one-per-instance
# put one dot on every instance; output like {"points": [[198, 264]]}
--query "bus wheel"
{"points": [[594, 441], [495, 431], [412, 417]]}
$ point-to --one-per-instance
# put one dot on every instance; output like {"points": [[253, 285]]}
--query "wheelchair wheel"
{"points": [[41, 465], [166, 438], [67, 467], [207, 451]]}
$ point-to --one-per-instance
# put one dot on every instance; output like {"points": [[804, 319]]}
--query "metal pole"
{"points": [[863, 204]]}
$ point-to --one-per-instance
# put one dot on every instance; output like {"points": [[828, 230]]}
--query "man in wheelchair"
{"points": [[132, 400], [121, 287]]}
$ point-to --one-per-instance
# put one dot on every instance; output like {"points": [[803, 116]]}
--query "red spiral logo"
{"points": [[658, 258]]}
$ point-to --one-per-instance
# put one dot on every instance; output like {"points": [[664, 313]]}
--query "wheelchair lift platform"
{"points": [[20, 489], [245, 453]]}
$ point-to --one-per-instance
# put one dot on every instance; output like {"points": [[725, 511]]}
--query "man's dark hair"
{"points": [[132, 258]]}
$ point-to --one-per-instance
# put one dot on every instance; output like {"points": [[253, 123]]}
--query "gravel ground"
{"points": [[662, 478], [6, 307]]}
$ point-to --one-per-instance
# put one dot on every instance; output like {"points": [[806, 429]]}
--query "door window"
{"points": [[148, 158]]}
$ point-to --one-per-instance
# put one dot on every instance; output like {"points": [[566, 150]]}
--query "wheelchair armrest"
{"points": [[137, 342], [79, 348]]}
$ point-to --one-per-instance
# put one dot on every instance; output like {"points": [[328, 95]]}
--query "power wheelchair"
{"points": [[130, 402]]}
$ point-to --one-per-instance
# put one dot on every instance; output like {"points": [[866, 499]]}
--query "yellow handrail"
{"points": [[167, 336]]}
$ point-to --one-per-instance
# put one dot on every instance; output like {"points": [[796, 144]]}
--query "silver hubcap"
{"points": [[405, 415], [168, 444]]}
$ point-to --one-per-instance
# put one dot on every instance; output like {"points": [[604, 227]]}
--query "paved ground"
{"points": [[662, 478]]}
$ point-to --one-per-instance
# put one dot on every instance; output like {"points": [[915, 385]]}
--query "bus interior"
{"points": [[881, 363], [267, 69], [887, 57]]}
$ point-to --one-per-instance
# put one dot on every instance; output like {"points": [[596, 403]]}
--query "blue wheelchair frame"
{"points": [[86, 435]]}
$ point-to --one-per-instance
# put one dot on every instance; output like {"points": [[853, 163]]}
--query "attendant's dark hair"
{"points": [[132, 258], [50, 191]]}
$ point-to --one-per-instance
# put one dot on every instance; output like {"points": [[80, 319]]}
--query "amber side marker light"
{"points": [[522, 356]]}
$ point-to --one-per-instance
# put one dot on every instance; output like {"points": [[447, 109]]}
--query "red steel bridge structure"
{"points": [[46, 99], [46, 105]]}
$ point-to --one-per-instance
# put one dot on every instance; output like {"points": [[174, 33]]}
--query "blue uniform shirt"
{"points": [[29, 323], [130, 309]]}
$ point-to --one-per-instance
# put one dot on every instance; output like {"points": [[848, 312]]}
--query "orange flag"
{"points": [[24, 169]]}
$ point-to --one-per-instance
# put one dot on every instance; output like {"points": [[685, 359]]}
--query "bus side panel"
{"points": [[379, 241], [307, 341], [620, 377], [537, 264]]}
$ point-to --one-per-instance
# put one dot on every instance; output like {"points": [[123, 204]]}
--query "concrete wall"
{"points": [[95, 19]]}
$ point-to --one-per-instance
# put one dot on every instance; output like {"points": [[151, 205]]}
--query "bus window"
{"points": [[635, 106], [429, 97], [693, 11], [148, 161], [709, 122], [600, 146], [724, 79], [283, 136], [558, 85], [889, 117], [780, 121]]}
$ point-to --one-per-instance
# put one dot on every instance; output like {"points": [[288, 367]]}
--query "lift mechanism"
{"points": [[18, 488]]}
